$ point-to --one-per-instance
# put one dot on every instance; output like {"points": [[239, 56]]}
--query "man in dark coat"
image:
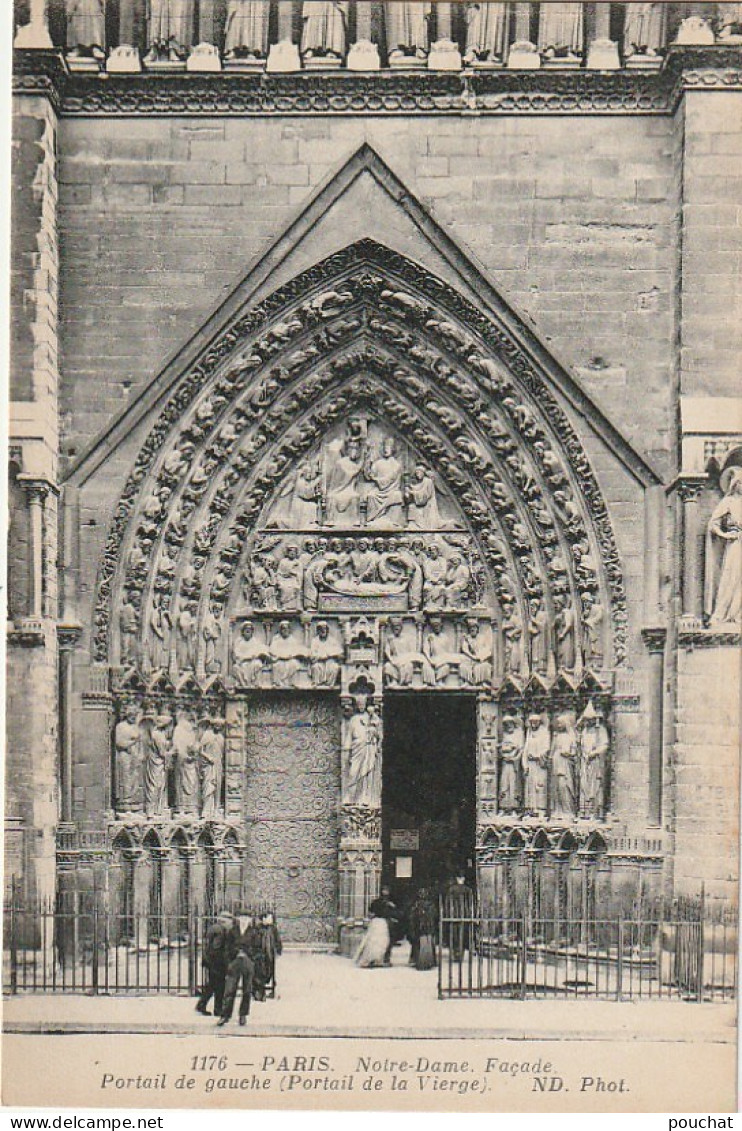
{"points": [[241, 970], [383, 908], [219, 948], [458, 906]]}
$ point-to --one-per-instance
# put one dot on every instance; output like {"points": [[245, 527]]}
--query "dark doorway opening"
{"points": [[429, 790]]}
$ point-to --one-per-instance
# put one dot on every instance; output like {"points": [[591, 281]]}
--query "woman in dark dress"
{"points": [[422, 928]]}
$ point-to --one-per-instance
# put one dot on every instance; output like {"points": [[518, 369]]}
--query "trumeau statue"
{"points": [[645, 28], [86, 24], [594, 742], [185, 747], [560, 30], [128, 763], [564, 767], [536, 764], [486, 32], [407, 28], [363, 757], [156, 765], [325, 28], [246, 29], [723, 585]]}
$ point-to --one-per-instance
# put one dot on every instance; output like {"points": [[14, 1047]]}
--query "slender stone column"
{"points": [[653, 529], [443, 21], [689, 491], [654, 638], [36, 493], [522, 23], [285, 20], [363, 20], [206, 22], [67, 635], [602, 21]]}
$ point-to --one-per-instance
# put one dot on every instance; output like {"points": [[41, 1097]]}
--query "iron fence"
{"points": [[79, 948], [690, 959]]}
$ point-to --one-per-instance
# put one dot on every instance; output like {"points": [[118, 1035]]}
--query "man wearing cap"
{"points": [[219, 948]]}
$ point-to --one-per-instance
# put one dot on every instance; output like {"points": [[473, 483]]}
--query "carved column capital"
{"points": [[654, 638], [690, 487]]}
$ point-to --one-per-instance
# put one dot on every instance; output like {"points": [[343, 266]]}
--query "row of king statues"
{"points": [[171, 28]]}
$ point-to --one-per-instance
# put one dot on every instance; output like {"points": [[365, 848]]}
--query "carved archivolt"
{"points": [[364, 444]]}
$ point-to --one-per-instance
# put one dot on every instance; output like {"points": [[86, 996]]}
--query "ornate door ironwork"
{"points": [[292, 790]]}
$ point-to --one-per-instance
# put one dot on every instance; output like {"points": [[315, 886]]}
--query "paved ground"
{"points": [[324, 994]]}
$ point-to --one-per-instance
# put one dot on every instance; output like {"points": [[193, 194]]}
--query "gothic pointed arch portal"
{"points": [[365, 483]]}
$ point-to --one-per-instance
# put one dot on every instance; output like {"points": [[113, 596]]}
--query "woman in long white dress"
{"points": [[374, 944]]}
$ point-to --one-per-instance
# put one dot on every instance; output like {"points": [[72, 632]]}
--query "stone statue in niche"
{"points": [[286, 654], [158, 741], [384, 498], [344, 463], [86, 27], [645, 29], [435, 569], [560, 30], [249, 656], [185, 635], [723, 584], [185, 749], [486, 32], [592, 632], [476, 647], [422, 501], [128, 762], [129, 629], [402, 656], [289, 578], [536, 765], [564, 631], [363, 757], [246, 29], [211, 630], [511, 764], [512, 632], [325, 28], [169, 35], [538, 636], [210, 762], [407, 29], [564, 767], [593, 743], [325, 656], [440, 651], [161, 631]]}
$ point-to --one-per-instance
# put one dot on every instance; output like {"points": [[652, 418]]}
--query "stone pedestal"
{"points": [[363, 56], [524, 56], [444, 56], [204, 57], [35, 34], [283, 58], [602, 55], [695, 32], [124, 60]]}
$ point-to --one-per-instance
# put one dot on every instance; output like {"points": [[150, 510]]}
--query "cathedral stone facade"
{"points": [[375, 457]]}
